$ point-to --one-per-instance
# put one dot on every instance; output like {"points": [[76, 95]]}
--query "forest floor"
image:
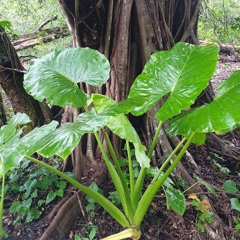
{"points": [[214, 168]]}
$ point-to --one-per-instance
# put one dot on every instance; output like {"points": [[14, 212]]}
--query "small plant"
{"points": [[203, 208], [231, 187], [220, 168], [237, 224], [181, 74], [89, 230], [91, 202]]}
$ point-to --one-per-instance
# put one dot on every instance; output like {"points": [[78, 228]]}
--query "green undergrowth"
{"points": [[29, 190]]}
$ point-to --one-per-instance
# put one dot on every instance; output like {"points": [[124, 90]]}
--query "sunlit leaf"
{"points": [[10, 151], [55, 76]]}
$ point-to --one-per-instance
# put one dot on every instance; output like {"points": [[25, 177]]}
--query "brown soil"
{"points": [[161, 223]]}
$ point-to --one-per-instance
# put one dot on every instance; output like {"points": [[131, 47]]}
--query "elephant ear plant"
{"points": [[179, 75]]}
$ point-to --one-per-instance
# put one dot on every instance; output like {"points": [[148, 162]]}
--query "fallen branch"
{"points": [[45, 22], [36, 38], [224, 48]]}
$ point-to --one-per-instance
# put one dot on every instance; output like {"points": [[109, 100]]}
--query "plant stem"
{"points": [[1, 206], [168, 160], [142, 173], [155, 138], [122, 193], [130, 167], [125, 234], [112, 152], [152, 189], [191, 186]]}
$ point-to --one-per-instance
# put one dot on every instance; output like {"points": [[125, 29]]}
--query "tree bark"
{"points": [[11, 80], [3, 118]]}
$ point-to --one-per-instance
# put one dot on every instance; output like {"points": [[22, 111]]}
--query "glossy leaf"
{"points": [[122, 127], [181, 73], [55, 76], [175, 200], [9, 136], [221, 115], [34, 140], [62, 141], [16, 148]]}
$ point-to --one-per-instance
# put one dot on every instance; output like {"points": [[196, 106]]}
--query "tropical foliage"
{"points": [[181, 74]]}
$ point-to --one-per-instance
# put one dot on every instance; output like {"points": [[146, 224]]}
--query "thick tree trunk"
{"points": [[11, 80]]}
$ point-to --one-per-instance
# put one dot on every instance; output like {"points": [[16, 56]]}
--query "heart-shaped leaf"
{"points": [[34, 140], [181, 73], [221, 115], [55, 76]]}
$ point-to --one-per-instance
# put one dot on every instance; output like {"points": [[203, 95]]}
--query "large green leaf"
{"points": [[15, 148], [181, 73], [221, 115], [35, 139], [62, 141], [55, 76], [9, 135], [10, 158], [121, 126]]}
